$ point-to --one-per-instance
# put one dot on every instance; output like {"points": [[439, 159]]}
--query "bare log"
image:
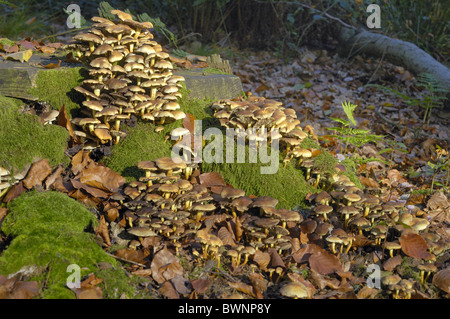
{"points": [[395, 51]]}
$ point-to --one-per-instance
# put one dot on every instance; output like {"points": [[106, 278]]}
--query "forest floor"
{"points": [[407, 168]]}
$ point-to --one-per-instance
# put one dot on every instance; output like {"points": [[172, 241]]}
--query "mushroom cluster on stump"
{"points": [[261, 119], [129, 75]]}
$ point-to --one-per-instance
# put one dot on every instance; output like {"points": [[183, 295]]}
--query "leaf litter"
{"points": [[194, 265]]}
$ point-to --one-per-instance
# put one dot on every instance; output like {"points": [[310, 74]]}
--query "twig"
{"points": [[62, 33]]}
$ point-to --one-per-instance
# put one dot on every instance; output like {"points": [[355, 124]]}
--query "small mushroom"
{"points": [[323, 210], [294, 290], [391, 246]]}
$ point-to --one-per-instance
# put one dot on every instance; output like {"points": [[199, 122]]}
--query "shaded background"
{"points": [[273, 25]]}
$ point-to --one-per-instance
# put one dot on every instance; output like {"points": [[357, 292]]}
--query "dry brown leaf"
{"points": [[275, 259], [165, 266], [368, 182], [91, 281], [415, 246], [52, 178], [391, 263], [89, 293], [438, 201], [181, 285], [143, 272], [242, 287], [14, 288], [442, 280], [226, 237], [200, 285], [47, 50], [101, 177], [367, 293], [95, 192], [262, 259], [37, 173], [324, 263], [212, 179], [131, 254], [169, 291], [64, 121], [302, 255], [3, 211], [103, 231], [259, 284]]}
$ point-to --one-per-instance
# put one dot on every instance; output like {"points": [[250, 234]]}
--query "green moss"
{"points": [[287, 184], [55, 86], [325, 163], [214, 71], [50, 230], [143, 143], [23, 138], [309, 143], [350, 172]]}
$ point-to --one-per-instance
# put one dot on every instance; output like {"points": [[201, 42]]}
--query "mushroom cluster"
{"points": [[9, 179], [129, 74], [256, 116], [4, 181], [346, 213], [170, 204]]}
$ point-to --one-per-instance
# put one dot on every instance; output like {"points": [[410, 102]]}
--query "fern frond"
{"points": [[348, 109]]}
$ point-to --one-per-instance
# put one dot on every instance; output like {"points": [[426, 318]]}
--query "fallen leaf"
{"points": [[262, 88], [51, 65], [391, 263], [52, 178], [91, 281], [262, 259], [169, 291], [103, 231], [442, 280], [242, 287], [37, 173], [275, 259], [415, 246], [89, 293], [212, 179], [200, 285], [101, 177], [226, 237], [11, 49], [47, 50], [22, 56], [324, 263], [161, 266], [368, 182], [259, 284], [131, 254], [367, 293], [181, 285], [14, 192]]}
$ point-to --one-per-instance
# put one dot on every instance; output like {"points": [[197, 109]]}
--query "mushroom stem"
{"points": [[333, 248], [317, 181], [245, 260], [349, 246]]}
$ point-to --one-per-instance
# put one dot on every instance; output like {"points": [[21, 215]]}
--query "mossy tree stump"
{"points": [[32, 81]]}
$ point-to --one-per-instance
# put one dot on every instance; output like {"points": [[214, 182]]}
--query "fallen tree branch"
{"points": [[396, 51]]}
